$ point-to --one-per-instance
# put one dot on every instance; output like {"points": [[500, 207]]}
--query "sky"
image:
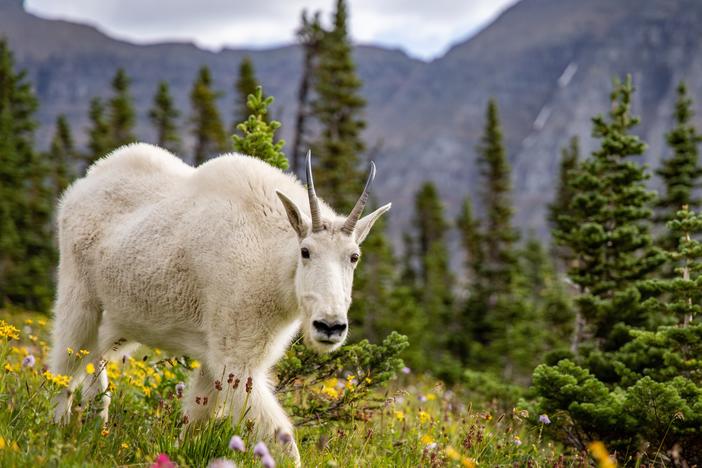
{"points": [[424, 29]]}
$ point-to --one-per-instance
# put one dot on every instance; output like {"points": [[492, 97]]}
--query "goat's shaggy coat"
{"points": [[204, 262]]}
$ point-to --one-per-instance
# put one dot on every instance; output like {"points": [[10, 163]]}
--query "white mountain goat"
{"points": [[223, 263]]}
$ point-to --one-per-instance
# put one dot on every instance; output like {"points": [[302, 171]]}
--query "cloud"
{"points": [[423, 29]]}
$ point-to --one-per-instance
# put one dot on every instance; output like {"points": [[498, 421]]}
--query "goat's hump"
{"points": [[140, 158]]}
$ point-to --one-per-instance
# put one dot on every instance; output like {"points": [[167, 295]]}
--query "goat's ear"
{"points": [[364, 225], [299, 222]]}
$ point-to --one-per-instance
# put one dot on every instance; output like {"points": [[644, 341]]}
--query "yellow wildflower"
{"points": [[34, 338], [599, 453], [331, 382], [426, 439], [452, 453], [424, 416], [58, 379], [83, 352], [330, 392], [168, 374], [431, 396], [105, 432], [69, 350], [14, 446], [90, 368], [195, 364], [28, 321], [368, 380], [468, 462], [400, 415], [125, 445], [8, 331], [9, 368], [2, 442], [41, 322]]}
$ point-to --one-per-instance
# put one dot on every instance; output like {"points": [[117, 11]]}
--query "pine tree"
{"points": [[63, 156], [309, 36], [122, 115], [258, 133], [98, 133], [26, 251], [246, 85], [559, 210], [337, 108], [208, 130], [435, 278], [681, 172], [500, 235], [608, 232], [164, 116]]}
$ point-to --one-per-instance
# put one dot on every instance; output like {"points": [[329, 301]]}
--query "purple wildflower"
{"points": [[237, 444], [284, 438], [180, 388], [221, 463], [406, 370], [28, 361], [260, 450], [543, 419], [162, 461], [422, 399], [268, 461]]}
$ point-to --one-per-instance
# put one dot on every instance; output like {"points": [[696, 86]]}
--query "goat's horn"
{"points": [[352, 219], [314, 203]]}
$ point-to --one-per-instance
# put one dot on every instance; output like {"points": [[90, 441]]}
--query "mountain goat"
{"points": [[221, 262]]}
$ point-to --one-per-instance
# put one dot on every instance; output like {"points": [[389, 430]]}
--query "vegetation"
{"points": [[164, 116], [208, 130]]}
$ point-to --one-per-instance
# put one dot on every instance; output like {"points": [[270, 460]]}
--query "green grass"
{"points": [[417, 423]]}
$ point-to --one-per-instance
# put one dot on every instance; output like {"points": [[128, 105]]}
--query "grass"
{"points": [[419, 423]]}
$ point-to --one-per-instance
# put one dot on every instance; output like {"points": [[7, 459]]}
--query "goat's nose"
{"points": [[329, 329]]}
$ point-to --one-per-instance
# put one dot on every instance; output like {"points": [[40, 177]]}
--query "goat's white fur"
{"points": [[204, 262]]}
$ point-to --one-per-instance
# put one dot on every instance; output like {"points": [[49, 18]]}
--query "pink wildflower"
{"points": [[237, 444]]}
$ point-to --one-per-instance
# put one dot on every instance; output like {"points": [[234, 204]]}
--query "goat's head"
{"points": [[327, 257]]}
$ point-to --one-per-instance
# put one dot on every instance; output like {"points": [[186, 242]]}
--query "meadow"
{"points": [[419, 421]]}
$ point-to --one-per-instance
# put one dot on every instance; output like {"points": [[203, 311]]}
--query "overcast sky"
{"points": [[422, 28]]}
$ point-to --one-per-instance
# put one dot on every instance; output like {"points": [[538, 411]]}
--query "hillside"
{"points": [[549, 64]]}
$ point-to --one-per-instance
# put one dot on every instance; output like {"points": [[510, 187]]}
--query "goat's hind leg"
{"points": [[76, 320]]}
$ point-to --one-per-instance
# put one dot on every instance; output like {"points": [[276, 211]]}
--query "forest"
{"points": [[584, 348]]}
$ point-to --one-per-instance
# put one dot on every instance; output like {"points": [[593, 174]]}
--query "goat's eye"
{"points": [[305, 252], [354, 257]]}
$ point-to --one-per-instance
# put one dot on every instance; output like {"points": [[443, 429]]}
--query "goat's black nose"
{"points": [[329, 329]]}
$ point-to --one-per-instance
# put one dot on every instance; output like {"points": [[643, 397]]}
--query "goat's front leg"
{"points": [[270, 421]]}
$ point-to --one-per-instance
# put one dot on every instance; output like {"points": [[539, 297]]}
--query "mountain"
{"points": [[548, 63]]}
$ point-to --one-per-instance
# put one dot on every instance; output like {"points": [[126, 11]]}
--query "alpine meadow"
{"points": [[193, 280]]}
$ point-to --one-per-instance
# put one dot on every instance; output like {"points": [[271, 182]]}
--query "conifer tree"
{"points": [[682, 171], [246, 85], [164, 116], [98, 132], [208, 130], [122, 116], [26, 251], [500, 235], [309, 36], [63, 156], [607, 231], [258, 134], [558, 210], [337, 108]]}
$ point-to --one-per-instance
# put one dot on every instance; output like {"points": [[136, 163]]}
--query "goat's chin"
{"points": [[320, 347]]}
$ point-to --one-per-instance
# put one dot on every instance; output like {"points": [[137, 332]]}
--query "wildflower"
{"points": [[330, 392], [422, 399], [267, 461], [69, 350], [162, 461], [426, 439], [221, 463], [8, 367], [543, 419], [41, 322], [452, 453], [28, 361], [424, 416], [8, 331], [517, 441], [237, 444], [406, 370], [83, 352], [124, 445], [28, 321], [2, 442], [90, 368], [284, 438], [432, 446], [431, 397], [179, 389], [105, 432], [599, 453], [260, 450], [468, 462], [400, 415], [195, 364]]}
